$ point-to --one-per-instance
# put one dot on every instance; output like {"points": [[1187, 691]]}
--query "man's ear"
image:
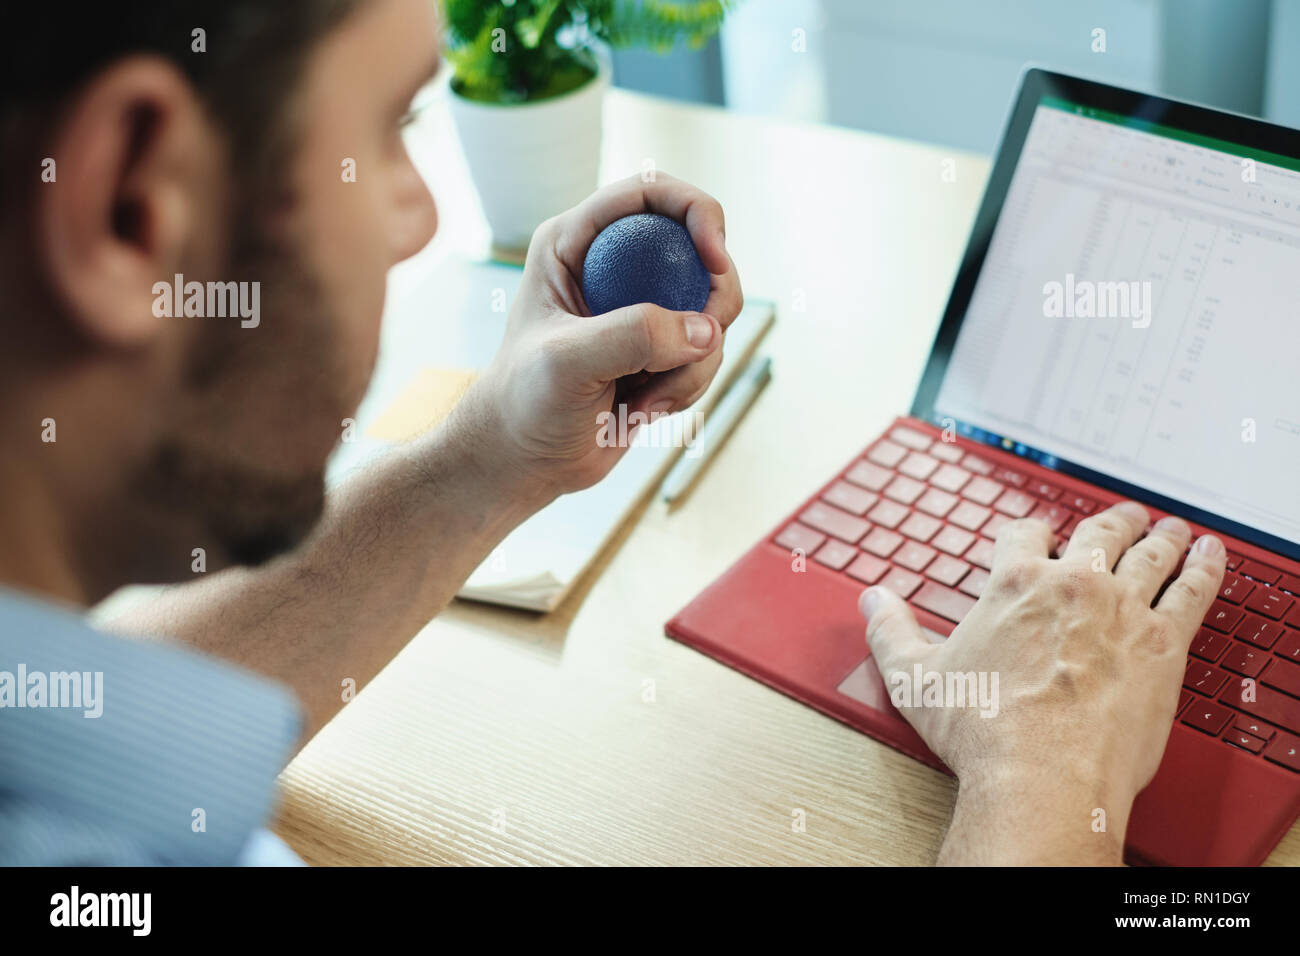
{"points": [[136, 191]]}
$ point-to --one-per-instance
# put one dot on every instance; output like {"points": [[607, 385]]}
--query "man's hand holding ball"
{"points": [[561, 364]]}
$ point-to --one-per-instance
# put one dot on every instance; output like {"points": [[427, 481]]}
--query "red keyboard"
{"points": [[919, 516]]}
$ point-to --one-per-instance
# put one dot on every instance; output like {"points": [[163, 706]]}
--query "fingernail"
{"points": [[1135, 511], [1172, 523], [869, 602], [661, 407], [699, 330], [1209, 544]]}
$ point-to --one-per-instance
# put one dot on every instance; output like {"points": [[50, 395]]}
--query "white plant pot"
{"points": [[531, 161]]}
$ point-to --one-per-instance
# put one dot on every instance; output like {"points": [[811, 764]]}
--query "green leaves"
{"points": [[529, 50]]}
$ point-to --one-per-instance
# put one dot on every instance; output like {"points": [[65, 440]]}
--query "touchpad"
{"points": [[865, 685]]}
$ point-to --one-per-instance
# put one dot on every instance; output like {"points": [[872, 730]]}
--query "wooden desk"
{"points": [[586, 736]]}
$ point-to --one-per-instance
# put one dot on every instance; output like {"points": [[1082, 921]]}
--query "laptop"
{"points": [[1123, 324]]}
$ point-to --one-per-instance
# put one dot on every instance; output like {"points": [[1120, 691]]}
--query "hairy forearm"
{"points": [[395, 544], [1036, 817]]}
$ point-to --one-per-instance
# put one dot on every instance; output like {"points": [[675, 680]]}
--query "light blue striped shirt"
{"points": [[122, 752]]}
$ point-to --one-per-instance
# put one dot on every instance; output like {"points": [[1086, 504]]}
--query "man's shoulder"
{"points": [[138, 748]]}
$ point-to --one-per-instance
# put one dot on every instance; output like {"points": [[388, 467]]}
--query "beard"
{"points": [[241, 463]]}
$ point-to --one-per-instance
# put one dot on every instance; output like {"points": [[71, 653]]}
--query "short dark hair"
{"points": [[254, 53]]}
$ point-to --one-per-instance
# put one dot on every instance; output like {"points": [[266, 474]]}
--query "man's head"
{"points": [[252, 147]]}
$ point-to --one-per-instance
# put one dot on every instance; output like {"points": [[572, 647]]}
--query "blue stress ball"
{"points": [[644, 258]]}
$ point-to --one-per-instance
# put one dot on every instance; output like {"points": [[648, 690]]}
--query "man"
{"points": [[137, 443]]}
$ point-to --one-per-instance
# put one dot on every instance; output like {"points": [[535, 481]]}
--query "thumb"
{"points": [[644, 337], [893, 635]]}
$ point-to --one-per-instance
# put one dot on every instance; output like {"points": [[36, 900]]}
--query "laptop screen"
{"points": [[1135, 314]]}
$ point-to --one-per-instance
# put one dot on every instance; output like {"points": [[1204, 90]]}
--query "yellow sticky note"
{"points": [[423, 404]]}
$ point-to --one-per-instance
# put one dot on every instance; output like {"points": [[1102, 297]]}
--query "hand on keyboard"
{"points": [[1087, 676]]}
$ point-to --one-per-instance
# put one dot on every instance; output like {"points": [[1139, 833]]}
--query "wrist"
{"points": [[1039, 815], [475, 437]]}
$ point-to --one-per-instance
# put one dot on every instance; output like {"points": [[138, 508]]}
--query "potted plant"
{"points": [[527, 86]]}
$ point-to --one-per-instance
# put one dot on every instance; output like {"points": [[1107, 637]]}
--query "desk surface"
{"points": [[586, 736]]}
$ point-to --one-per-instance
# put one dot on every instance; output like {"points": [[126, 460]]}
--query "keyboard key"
{"points": [[912, 438], [977, 464], [1268, 705], [1223, 617], [920, 527], [914, 556], [1293, 619], [969, 515], [1042, 489], [943, 602], [1017, 504], [886, 453], [869, 476], [937, 503], [1290, 583], [1239, 738], [1283, 675], [888, 514], [901, 582], [1234, 561], [947, 570], [1289, 646], [982, 491], [950, 478], [991, 527], [904, 489], [1184, 698], [882, 542], [1284, 750], [1235, 588], [1009, 477], [1244, 659], [1260, 572], [835, 554], [867, 569], [1270, 602], [1253, 727], [947, 451], [851, 498], [1204, 679], [1085, 506], [918, 466], [973, 583], [1207, 716], [953, 540], [1258, 631], [981, 554], [1053, 515], [834, 522], [798, 538], [1209, 646]]}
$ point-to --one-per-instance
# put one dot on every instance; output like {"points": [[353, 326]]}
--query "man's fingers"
{"points": [[1021, 540], [1147, 565], [1189, 595], [893, 635], [726, 298], [673, 391], [1107, 535], [666, 195], [637, 338]]}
